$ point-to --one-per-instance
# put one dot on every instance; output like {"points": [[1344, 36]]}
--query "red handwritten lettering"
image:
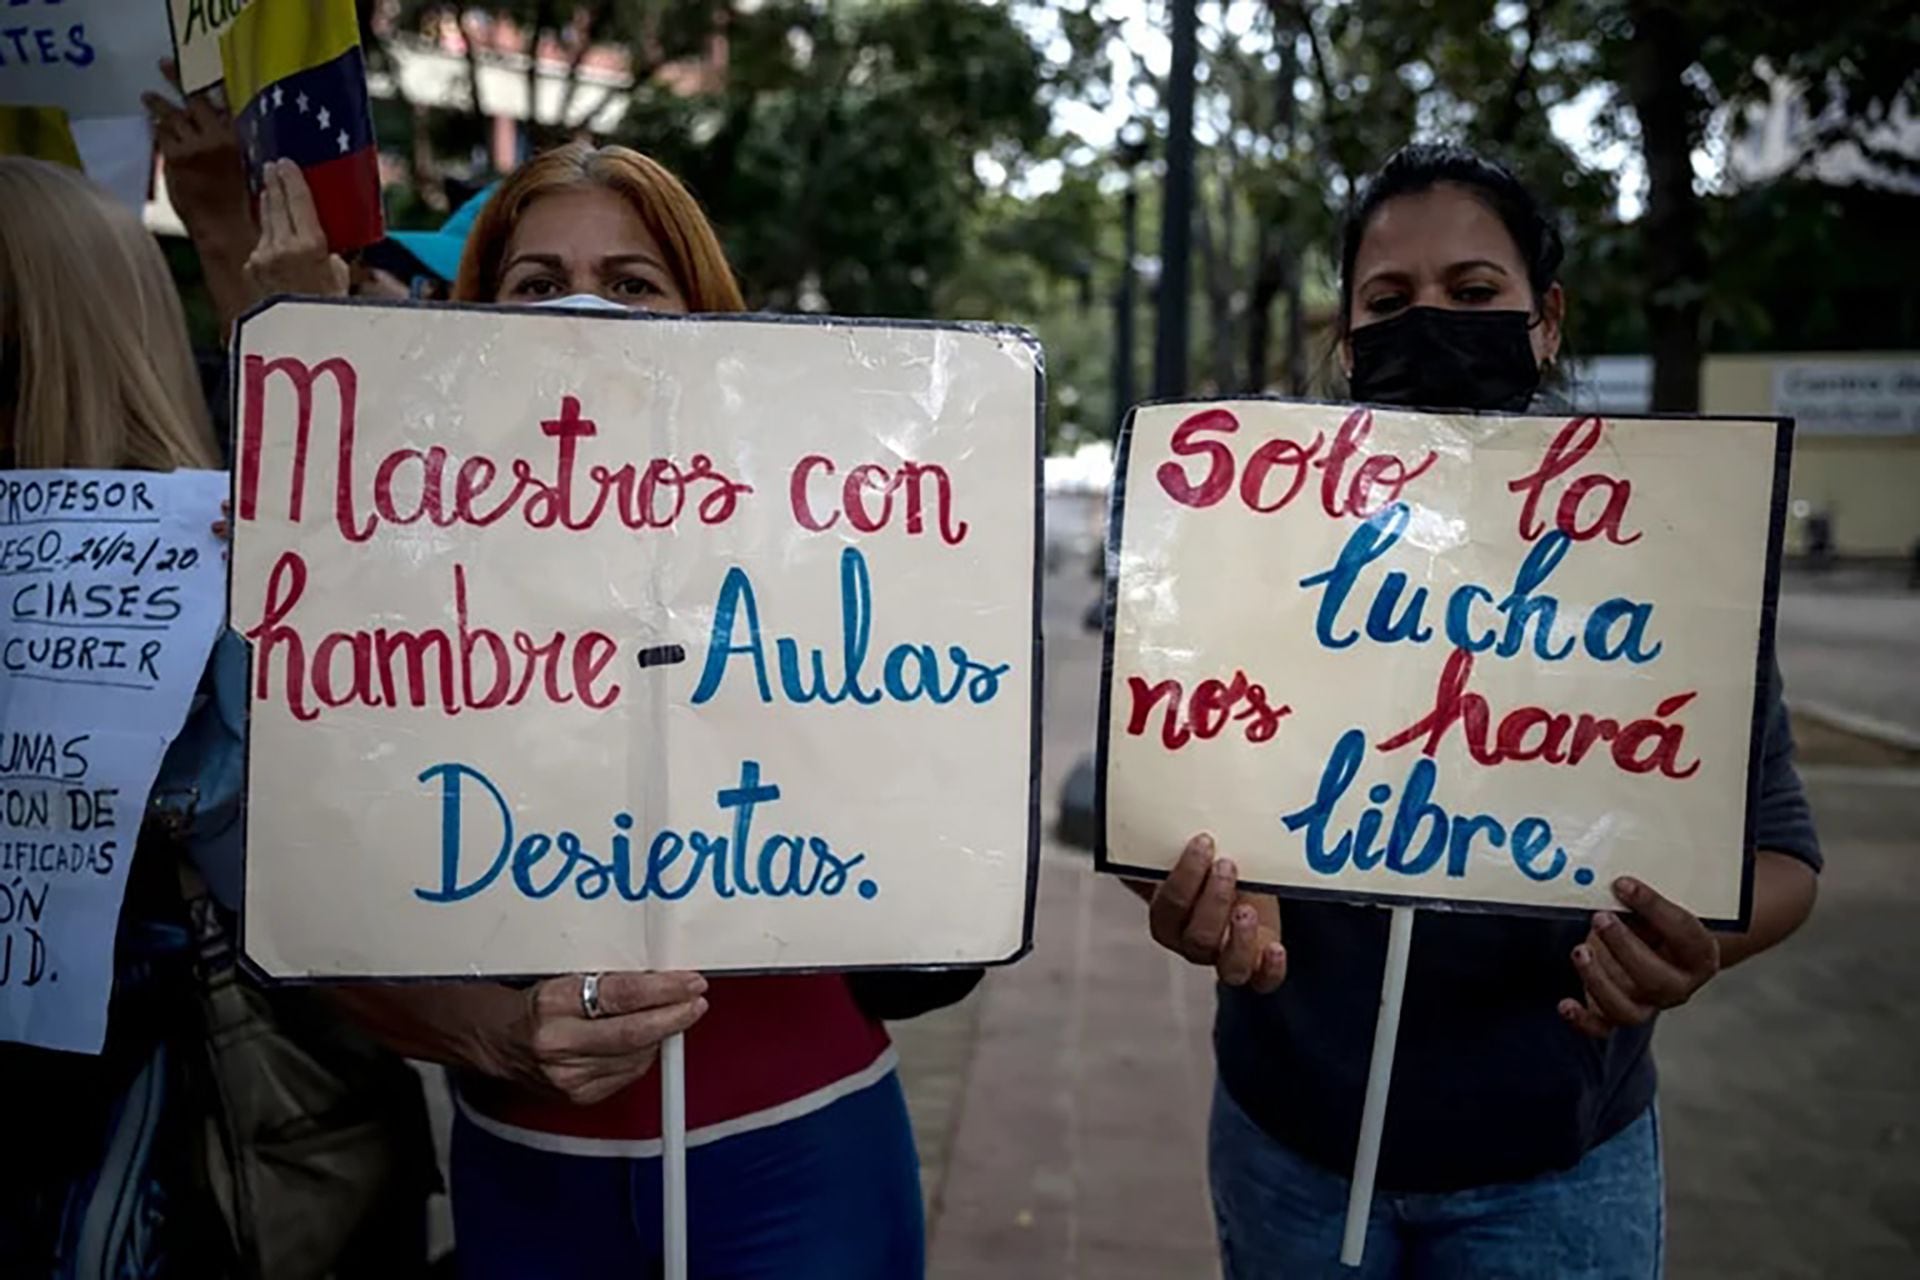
{"points": [[346, 384], [1211, 709], [1642, 746], [797, 493], [1381, 470], [1359, 489], [1565, 452], [1218, 480], [650, 496], [867, 498], [419, 669]]}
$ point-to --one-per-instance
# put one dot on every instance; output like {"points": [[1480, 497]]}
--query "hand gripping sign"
{"points": [[588, 642]]}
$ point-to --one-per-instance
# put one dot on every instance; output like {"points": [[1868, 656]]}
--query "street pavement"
{"points": [[1849, 644]]}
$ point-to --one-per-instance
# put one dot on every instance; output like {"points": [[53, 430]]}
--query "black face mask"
{"points": [[1438, 358]]}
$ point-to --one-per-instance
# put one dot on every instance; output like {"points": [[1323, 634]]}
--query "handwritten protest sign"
{"points": [[197, 25], [1492, 661], [587, 641], [114, 588], [87, 57]]}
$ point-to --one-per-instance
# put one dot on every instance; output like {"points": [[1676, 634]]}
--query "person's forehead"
{"points": [[588, 223], [1439, 225]]}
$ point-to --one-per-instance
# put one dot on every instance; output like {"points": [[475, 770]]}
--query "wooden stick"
{"points": [[1373, 1117], [673, 1152]]}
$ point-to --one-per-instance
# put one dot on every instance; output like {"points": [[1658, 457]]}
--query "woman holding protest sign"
{"points": [[801, 1160], [1521, 1138], [168, 1153]]}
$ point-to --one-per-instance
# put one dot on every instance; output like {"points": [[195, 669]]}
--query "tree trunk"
{"points": [[589, 35], [1660, 51], [1266, 287], [1214, 237], [1517, 99], [473, 67], [1208, 250], [1296, 329]]}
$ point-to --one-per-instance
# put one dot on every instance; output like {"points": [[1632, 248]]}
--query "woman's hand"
{"points": [[1633, 968], [1198, 912], [292, 254], [206, 178], [555, 1048]]}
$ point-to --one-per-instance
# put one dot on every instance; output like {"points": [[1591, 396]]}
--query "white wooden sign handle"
{"points": [[673, 1152], [1373, 1116]]}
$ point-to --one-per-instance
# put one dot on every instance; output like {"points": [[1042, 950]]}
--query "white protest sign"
{"points": [[589, 641], [197, 25], [114, 591], [89, 57], [1495, 661]]}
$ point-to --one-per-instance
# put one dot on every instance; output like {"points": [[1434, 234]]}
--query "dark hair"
{"points": [[397, 261], [1420, 166]]}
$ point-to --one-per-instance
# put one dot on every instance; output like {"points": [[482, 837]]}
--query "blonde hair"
{"points": [[668, 209], [106, 378]]}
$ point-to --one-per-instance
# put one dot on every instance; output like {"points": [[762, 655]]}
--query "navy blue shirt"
{"points": [[1489, 1084]]}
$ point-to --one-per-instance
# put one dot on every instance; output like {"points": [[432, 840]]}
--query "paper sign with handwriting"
{"points": [[1480, 660], [87, 57], [594, 642], [114, 589], [197, 25]]}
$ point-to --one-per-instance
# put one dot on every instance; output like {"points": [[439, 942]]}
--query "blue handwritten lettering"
{"points": [[1421, 829], [909, 672], [1395, 616], [544, 864]]}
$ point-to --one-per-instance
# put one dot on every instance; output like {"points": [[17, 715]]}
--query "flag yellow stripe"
{"points": [[272, 39], [40, 132]]}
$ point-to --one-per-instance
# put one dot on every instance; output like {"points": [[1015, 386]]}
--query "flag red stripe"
{"points": [[346, 192]]}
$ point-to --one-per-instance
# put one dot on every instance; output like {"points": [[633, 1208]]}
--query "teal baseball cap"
{"points": [[439, 251]]}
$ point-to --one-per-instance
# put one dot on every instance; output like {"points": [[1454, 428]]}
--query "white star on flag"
{"points": [[343, 141], [323, 117], [278, 94], [301, 102]]}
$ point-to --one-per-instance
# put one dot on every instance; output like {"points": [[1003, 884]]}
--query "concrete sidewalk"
{"points": [[1849, 646]]}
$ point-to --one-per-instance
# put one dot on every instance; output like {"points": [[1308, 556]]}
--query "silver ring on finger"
{"points": [[590, 997]]}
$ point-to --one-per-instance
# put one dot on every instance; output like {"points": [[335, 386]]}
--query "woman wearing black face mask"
{"points": [[1448, 292], [1521, 1139]]}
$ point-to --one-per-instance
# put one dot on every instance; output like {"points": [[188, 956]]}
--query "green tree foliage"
{"points": [[839, 157], [908, 157]]}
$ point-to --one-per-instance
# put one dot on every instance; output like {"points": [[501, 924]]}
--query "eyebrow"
{"points": [[553, 262], [1488, 263], [537, 259], [1399, 275]]}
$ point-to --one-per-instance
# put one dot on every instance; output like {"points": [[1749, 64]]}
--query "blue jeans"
{"points": [[834, 1195], [1281, 1217]]}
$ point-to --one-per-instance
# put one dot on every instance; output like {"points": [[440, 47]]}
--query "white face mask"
{"points": [[581, 302]]}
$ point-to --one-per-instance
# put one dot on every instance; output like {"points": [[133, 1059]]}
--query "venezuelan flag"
{"points": [[40, 132], [297, 83]]}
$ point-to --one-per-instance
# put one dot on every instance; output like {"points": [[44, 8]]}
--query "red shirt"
{"points": [[768, 1049]]}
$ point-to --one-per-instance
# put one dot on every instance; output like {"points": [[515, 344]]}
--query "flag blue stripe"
{"points": [[284, 120]]}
